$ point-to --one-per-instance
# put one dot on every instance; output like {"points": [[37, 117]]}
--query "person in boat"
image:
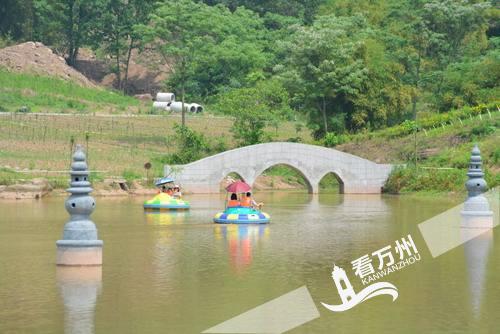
{"points": [[177, 192], [249, 202], [233, 201], [170, 191]]}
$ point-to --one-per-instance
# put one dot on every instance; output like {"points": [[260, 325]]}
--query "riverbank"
{"points": [[37, 188]]}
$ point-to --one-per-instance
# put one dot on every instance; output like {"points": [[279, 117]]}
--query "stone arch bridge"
{"points": [[355, 175]]}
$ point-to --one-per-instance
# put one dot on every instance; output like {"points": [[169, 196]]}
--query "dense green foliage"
{"points": [[254, 108], [345, 66]]}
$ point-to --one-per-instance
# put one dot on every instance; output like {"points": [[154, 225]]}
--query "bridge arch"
{"points": [[337, 177], [358, 175], [307, 178]]}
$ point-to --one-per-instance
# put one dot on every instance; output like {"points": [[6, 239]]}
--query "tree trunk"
{"points": [[414, 110], [183, 110], [71, 32], [323, 110], [118, 71], [127, 63]]}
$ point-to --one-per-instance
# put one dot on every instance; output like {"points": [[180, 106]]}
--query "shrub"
{"points": [[411, 179], [332, 140], [191, 146], [24, 109], [483, 130]]}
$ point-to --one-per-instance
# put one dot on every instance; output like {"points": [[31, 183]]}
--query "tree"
{"points": [[67, 24], [303, 9], [16, 19], [432, 35], [451, 22], [255, 108], [176, 27], [116, 32], [191, 146], [325, 69], [210, 47]]}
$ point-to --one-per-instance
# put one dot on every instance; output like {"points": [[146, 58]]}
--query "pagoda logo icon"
{"points": [[350, 298]]}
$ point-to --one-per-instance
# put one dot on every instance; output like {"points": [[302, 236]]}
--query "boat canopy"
{"points": [[163, 180], [238, 187]]}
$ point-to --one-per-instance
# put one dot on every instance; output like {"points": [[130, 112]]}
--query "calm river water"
{"points": [[180, 273]]}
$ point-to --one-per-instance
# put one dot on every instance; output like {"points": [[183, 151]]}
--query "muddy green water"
{"points": [[179, 273]]}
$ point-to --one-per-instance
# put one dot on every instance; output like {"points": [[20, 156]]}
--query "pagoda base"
{"points": [[79, 253], [477, 219]]}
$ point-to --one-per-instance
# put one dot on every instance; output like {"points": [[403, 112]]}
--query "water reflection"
{"points": [[477, 252], [79, 288], [165, 248], [477, 219], [241, 241], [166, 218]]}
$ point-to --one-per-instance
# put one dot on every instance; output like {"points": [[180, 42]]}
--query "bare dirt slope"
{"points": [[147, 71], [34, 57]]}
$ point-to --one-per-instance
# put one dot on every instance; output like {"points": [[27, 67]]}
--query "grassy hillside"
{"points": [[45, 94], [121, 135]]}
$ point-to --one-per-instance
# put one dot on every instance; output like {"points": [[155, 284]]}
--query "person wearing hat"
{"points": [[177, 192]]}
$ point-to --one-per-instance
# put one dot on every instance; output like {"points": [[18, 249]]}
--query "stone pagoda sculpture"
{"points": [[79, 245], [476, 212]]}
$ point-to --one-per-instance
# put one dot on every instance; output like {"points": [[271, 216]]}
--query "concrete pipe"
{"points": [[198, 108], [165, 97], [177, 107], [161, 105]]}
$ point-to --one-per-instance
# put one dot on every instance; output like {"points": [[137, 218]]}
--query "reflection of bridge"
{"points": [[355, 174]]}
